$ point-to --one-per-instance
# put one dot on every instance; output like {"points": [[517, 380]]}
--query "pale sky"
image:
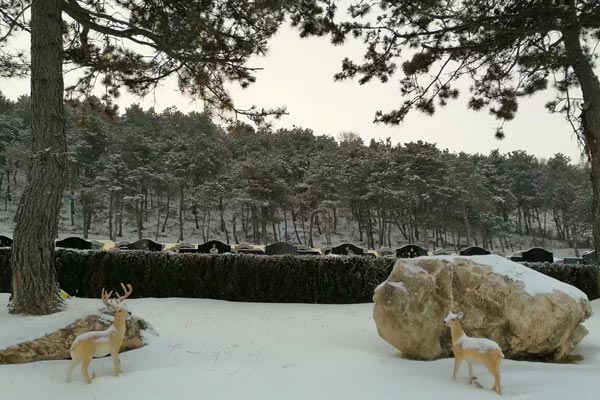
{"points": [[298, 73]]}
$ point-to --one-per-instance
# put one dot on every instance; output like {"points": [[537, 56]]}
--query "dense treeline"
{"points": [[146, 169]]}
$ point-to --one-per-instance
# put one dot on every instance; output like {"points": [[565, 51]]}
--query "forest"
{"points": [[143, 170]]}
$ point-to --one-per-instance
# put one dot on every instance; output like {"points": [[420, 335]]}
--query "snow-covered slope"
{"points": [[210, 349]]}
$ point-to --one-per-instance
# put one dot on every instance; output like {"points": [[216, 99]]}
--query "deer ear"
{"points": [[460, 315]]}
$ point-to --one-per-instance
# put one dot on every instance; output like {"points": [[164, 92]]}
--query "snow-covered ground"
{"points": [[208, 349]]}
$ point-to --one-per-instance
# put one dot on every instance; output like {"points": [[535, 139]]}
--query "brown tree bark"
{"points": [[590, 116], [34, 287]]}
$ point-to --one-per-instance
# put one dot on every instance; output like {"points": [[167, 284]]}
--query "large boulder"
{"points": [[56, 345], [530, 315]]}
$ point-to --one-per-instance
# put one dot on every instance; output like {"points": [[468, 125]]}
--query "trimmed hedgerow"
{"points": [[252, 278], [234, 277], [583, 276]]}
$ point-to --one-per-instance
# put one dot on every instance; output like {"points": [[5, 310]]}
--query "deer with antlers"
{"points": [[474, 350], [102, 343]]}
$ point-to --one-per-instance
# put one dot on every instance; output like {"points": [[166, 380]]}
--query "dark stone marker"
{"points": [[347, 249], [5, 241], [307, 251], [516, 258], [188, 250], [145, 244], [74, 242], [280, 248], [442, 252], [537, 254], [410, 251], [214, 247], [385, 252], [251, 251], [590, 257], [474, 251], [573, 260]]}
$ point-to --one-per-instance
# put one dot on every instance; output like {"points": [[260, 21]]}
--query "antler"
{"points": [[127, 292], [116, 303], [106, 297]]}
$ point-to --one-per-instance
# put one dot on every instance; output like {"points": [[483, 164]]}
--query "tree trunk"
{"points": [[110, 216], [120, 232], [310, 228], [157, 218], [34, 287], [235, 238], [263, 224], [195, 213], [285, 227], [467, 225], [222, 215], [7, 197], [181, 205], [72, 203], [164, 226], [590, 114], [138, 215], [295, 226]]}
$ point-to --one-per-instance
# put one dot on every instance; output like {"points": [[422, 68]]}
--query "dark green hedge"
{"points": [[282, 279], [583, 276], [236, 277]]}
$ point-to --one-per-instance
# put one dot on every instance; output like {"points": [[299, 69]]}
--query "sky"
{"points": [[298, 74]]}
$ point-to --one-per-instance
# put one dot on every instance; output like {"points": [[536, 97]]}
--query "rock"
{"points": [[530, 315], [56, 345]]}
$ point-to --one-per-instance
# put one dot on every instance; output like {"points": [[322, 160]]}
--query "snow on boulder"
{"points": [[530, 315]]}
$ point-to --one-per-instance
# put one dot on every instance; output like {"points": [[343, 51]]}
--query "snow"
{"points": [[398, 285], [535, 283], [213, 350], [479, 344], [98, 336]]}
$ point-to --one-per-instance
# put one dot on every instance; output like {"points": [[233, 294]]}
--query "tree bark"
{"points": [[590, 114], [34, 287]]}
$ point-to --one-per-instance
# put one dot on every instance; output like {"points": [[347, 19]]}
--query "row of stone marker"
{"points": [[536, 254]]}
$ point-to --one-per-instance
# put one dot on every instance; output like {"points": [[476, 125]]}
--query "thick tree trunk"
{"points": [[590, 115], [34, 286]]}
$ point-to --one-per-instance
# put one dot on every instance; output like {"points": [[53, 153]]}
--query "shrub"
{"points": [[242, 277], [583, 276]]}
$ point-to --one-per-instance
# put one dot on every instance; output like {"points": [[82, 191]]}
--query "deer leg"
{"points": [[457, 362], [74, 362], [494, 369], [85, 363], [116, 364], [471, 377], [497, 388]]}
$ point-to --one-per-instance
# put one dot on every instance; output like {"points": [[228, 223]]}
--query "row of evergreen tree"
{"points": [[142, 168]]}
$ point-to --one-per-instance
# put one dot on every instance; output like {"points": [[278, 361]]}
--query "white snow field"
{"points": [[208, 349]]}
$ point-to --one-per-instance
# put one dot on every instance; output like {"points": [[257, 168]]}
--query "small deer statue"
{"points": [[102, 343], [474, 350]]}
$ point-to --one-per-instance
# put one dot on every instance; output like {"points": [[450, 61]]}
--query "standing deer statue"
{"points": [[474, 350], [102, 343]]}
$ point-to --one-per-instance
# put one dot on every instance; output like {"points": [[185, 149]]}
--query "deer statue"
{"points": [[102, 343], [474, 350]]}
